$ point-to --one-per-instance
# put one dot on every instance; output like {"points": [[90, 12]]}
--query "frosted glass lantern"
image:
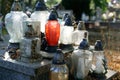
{"points": [[79, 33], [63, 19], [66, 33], [62, 22], [40, 14], [13, 22], [99, 60], [81, 61]]}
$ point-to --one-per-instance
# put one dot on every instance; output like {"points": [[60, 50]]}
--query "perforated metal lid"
{"points": [[68, 21], [58, 57], [98, 45], [84, 44], [40, 6]]}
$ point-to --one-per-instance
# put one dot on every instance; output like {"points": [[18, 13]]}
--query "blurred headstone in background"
{"points": [[98, 13]]}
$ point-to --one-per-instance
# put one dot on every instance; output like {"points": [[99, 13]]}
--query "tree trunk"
{"points": [[30, 3]]}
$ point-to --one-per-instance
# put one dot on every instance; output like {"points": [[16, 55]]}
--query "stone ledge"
{"points": [[26, 68]]}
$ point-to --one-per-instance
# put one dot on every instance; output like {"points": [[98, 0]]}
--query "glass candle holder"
{"points": [[52, 32], [40, 14], [81, 61], [14, 26]]}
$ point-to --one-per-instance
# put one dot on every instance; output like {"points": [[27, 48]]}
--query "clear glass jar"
{"points": [[99, 60], [59, 70]]}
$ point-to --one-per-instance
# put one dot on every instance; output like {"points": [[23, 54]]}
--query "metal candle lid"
{"points": [[98, 45], [65, 16], [16, 6], [52, 16], [58, 57], [40, 6], [68, 21], [84, 44]]}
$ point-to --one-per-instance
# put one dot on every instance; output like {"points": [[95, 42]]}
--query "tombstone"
{"points": [[98, 13]]}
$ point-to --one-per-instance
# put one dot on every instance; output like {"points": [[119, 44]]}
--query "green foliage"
{"points": [[86, 6], [78, 7], [51, 3], [101, 3], [30, 3]]}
